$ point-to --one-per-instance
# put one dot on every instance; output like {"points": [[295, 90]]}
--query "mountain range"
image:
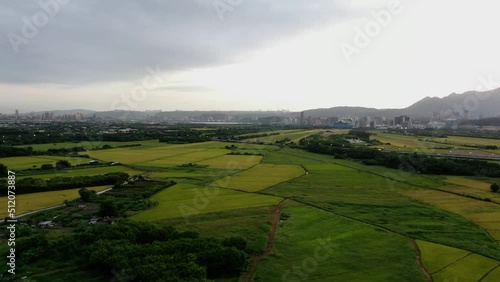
{"points": [[471, 105]]}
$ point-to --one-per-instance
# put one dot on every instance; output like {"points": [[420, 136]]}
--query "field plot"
{"points": [[81, 172], [260, 177], [369, 197], [293, 136], [184, 200], [253, 224], [451, 145], [436, 257], [88, 145], [485, 214], [493, 276], [232, 162], [35, 201], [185, 158], [469, 186], [470, 268], [20, 163], [314, 245]]}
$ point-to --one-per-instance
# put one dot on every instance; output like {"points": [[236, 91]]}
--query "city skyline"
{"points": [[249, 55]]}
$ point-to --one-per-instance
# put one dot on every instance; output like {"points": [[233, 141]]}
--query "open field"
{"points": [[314, 245], [35, 201], [451, 264], [185, 158], [232, 162], [260, 177], [88, 145], [21, 163], [467, 186], [293, 136], [372, 198], [436, 257], [281, 132], [253, 224], [485, 214], [136, 155], [470, 268], [423, 144], [184, 200], [87, 171]]}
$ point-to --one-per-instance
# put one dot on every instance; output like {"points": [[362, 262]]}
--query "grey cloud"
{"points": [[97, 41]]}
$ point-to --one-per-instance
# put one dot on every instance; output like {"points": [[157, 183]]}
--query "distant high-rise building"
{"points": [[17, 114], [302, 119], [403, 121]]}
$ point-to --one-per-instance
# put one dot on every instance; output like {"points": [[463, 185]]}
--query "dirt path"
{"points": [[419, 261], [250, 275]]}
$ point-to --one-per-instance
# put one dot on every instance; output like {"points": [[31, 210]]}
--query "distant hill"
{"points": [[449, 106], [446, 107]]}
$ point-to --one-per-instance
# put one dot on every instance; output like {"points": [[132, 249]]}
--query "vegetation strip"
{"points": [[250, 275]]}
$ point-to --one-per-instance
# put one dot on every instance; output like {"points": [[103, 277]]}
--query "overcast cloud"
{"points": [[257, 54]]}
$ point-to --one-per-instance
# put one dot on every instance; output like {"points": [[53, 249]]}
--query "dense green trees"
{"points": [[86, 195], [141, 251]]}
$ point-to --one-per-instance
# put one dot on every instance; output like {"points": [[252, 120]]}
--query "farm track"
{"points": [[419, 261], [250, 275]]}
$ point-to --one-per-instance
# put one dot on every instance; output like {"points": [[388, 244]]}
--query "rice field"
{"points": [[483, 213], [293, 136], [184, 158], [35, 201], [22, 163], [88, 145], [232, 162], [185, 200], [88, 171], [260, 177]]}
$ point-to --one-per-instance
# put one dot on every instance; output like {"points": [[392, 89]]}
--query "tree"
{"points": [[86, 195], [47, 167], [62, 164], [108, 208], [494, 187], [3, 171]]}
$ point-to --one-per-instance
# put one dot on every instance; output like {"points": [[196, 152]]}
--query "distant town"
{"points": [[279, 118]]}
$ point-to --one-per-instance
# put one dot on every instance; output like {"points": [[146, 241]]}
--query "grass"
{"points": [[88, 145], [239, 162], [436, 256], [83, 171], [319, 246], [485, 214], [374, 199], [294, 136], [22, 163], [185, 200], [430, 144], [35, 201], [253, 224], [185, 158], [493, 276], [470, 268], [260, 177]]}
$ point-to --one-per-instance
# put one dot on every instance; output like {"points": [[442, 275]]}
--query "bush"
{"points": [[494, 187]]}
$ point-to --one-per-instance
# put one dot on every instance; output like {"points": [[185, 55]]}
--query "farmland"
{"points": [[23, 163], [184, 200], [450, 145], [311, 217], [35, 201], [260, 177]]}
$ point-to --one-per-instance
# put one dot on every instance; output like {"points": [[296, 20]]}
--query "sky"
{"points": [[243, 54]]}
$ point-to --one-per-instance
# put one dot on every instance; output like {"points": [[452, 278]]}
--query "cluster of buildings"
{"points": [[283, 119], [47, 116]]}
